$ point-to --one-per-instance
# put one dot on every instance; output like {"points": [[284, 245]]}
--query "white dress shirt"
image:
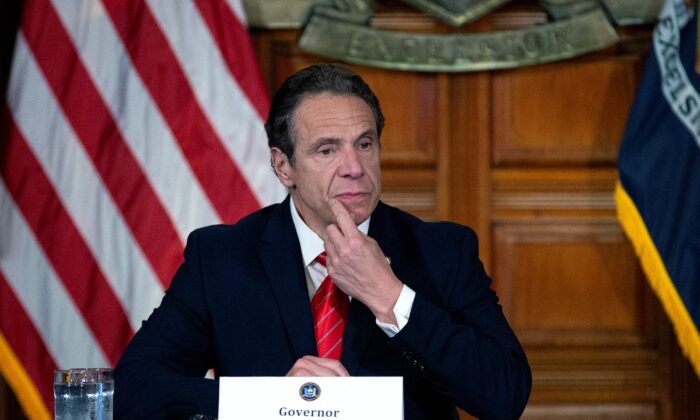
{"points": [[312, 246]]}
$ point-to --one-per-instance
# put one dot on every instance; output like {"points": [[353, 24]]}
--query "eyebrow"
{"points": [[369, 133], [325, 141]]}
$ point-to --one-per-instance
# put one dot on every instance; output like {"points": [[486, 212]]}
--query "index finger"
{"points": [[345, 222]]}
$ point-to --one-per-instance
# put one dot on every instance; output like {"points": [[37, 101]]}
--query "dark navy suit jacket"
{"points": [[239, 304]]}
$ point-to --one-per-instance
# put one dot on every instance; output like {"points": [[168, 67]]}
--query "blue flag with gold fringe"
{"points": [[658, 194]]}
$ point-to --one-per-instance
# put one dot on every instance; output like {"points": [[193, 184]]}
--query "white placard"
{"points": [[338, 398]]}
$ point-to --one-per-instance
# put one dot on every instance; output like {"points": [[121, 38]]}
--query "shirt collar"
{"points": [[312, 244]]}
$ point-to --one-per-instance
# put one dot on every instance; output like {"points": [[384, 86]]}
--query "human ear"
{"points": [[283, 169]]}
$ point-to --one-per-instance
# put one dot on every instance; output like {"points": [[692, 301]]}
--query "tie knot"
{"points": [[322, 258]]}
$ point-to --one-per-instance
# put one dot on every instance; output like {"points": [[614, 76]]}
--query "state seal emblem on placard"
{"points": [[309, 391]]}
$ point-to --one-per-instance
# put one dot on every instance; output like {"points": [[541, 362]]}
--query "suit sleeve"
{"points": [[462, 343], [161, 373]]}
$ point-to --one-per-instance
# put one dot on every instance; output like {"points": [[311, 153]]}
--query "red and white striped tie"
{"points": [[330, 309]]}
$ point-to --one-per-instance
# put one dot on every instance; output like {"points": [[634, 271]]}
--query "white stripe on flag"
{"points": [[80, 189], [28, 271], [237, 9], [228, 108], [138, 118]]}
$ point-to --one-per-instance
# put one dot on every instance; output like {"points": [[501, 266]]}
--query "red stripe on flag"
{"points": [[168, 85], [91, 119], [26, 343], [232, 38], [69, 255]]}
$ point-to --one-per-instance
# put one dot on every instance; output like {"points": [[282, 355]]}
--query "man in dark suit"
{"points": [[412, 297]]}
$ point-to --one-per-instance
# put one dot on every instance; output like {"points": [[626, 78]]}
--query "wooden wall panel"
{"points": [[680, 397], [570, 282], [591, 411], [410, 106], [562, 113]]}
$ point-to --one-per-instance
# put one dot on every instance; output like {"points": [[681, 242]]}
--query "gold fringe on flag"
{"points": [[660, 281], [15, 375]]}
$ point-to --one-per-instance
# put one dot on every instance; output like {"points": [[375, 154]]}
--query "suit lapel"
{"points": [[383, 229], [361, 322], [280, 254]]}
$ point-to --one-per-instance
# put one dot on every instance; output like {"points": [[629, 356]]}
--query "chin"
{"points": [[359, 218], [360, 211], [360, 215]]}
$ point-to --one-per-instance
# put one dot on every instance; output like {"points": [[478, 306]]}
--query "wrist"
{"points": [[384, 311]]}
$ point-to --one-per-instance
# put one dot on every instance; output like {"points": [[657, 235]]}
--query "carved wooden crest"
{"points": [[340, 29]]}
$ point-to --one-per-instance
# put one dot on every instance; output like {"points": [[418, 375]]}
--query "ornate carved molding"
{"points": [[458, 52], [342, 30]]}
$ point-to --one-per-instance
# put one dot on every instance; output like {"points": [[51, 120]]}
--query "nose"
{"points": [[350, 166]]}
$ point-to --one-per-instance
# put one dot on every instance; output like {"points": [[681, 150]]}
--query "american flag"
{"points": [[127, 124]]}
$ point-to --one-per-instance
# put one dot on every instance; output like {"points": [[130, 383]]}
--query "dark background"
{"points": [[10, 12]]}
